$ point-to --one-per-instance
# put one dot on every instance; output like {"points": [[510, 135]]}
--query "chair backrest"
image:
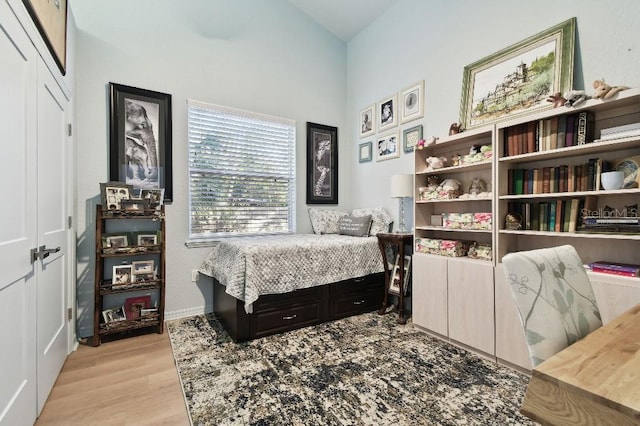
{"points": [[554, 298]]}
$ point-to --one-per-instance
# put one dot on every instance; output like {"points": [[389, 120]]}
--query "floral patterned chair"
{"points": [[554, 298]]}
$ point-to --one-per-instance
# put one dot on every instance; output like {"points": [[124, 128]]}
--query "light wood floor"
{"points": [[130, 381]]}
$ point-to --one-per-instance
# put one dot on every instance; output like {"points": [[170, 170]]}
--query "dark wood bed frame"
{"points": [[277, 313]]}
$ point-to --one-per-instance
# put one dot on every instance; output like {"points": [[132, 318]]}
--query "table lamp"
{"points": [[401, 187]]}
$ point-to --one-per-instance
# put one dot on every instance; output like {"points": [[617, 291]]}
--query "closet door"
{"points": [[18, 233]]}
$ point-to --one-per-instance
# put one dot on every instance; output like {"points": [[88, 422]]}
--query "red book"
{"points": [[612, 272]]}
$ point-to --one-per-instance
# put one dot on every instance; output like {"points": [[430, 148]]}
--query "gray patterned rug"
{"points": [[364, 370]]}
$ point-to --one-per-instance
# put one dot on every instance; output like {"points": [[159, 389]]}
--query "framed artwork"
{"points": [[133, 306], [115, 240], [412, 102], [143, 267], [322, 164], [114, 314], [365, 152], [146, 238], [367, 120], [410, 138], [140, 138], [50, 18], [155, 197], [394, 285], [135, 205], [387, 147], [519, 78], [113, 193], [122, 275], [387, 113]]}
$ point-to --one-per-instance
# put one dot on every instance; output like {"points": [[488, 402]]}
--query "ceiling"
{"points": [[344, 18]]}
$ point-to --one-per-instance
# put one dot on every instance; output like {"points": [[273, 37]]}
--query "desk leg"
{"points": [[387, 281], [402, 319]]}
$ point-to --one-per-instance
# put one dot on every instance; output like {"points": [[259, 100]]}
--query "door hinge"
{"points": [[69, 314], [69, 129], [70, 222]]}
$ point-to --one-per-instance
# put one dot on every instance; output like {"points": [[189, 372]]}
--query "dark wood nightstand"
{"points": [[400, 241]]}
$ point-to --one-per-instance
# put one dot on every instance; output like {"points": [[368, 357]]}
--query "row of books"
{"points": [[562, 178], [549, 133], [614, 268], [552, 215]]}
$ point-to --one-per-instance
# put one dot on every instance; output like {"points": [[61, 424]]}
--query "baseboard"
{"points": [[189, 312]]}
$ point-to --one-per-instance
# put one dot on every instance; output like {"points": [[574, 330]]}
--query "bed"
{"points": [[271, 284]]}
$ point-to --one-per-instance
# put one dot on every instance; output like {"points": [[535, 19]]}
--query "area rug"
{"points": [[363, 370]]}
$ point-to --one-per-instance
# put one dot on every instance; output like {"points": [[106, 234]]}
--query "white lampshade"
{"points": [[401, 186]]}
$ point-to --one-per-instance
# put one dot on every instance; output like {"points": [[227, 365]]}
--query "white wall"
{"points": [[251, 54], [434, 40]]}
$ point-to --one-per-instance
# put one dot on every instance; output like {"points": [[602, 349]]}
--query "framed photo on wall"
{"points": [[322, 164], [518, 79], [50, 18], [410, 138], [387, 114], [367, 120], [387, 147], [412, 102], [140, 138], [365, 152]]}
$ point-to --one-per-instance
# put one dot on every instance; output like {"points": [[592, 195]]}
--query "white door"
{"points": [[18, 186], [50, 269], [33, 329]]}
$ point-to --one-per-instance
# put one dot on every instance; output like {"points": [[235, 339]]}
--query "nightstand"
{"points": [[400, 241]]}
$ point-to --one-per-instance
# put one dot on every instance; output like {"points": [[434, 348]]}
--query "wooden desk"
{"points": [[595, 381], [400, 240]]}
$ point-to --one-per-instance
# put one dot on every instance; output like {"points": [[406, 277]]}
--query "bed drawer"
{"points": [[356, 296]]}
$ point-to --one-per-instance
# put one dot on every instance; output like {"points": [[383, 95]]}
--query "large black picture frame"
{"points": [[140, 138], [322, 164]]}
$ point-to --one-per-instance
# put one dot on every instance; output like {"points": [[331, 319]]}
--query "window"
{"points": [[241, 173]]}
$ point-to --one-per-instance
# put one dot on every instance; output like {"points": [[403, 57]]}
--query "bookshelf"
{"points": [[467, 301]]}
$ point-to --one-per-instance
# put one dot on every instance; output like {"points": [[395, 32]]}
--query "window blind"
{"points": [[241, 172]]}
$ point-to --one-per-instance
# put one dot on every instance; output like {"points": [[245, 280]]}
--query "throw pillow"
{"points": [[325, 221], [380, 219], [357, 226]]}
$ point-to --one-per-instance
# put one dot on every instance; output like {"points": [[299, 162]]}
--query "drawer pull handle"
{"points": [[289, 318], [358, 303]]}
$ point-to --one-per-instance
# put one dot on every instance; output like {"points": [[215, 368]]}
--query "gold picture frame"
{"points": [[50, 17]]}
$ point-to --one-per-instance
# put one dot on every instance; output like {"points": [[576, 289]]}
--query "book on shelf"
{"points": [[573, 215], [584, 128], [603, 265], [610, 272]]}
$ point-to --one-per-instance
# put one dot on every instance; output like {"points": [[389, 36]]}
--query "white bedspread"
{"points": [[252, 266]]}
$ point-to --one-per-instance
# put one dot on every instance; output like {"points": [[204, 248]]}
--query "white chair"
{"points": [[554, 298]]}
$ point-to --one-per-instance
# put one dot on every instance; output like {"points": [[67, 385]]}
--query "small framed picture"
{"points": [[122, 275], [394, 285], [112, 193], [115, 240], [114, 314], [365, 152], [411, 102], [146, 239], [367, 120], [134, 205], [387, 113], [410, 138], [155, 196], [133, 306], [138, 278], [142, 267], [387, 147]]}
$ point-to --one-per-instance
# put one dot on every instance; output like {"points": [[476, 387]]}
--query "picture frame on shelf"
{"points": [[133, 306], [322, 164], [113, 192], [146, 238], [387, 113], [387, 146], [517, 80], [135, 205], [116, 240], [122, 275], [630, 166], [138, 278], [155, 197], [410, 138], [50, 18], [114, 314], [365, 152], [140, 138], [367, 121], [142, 267], [412, 102]]}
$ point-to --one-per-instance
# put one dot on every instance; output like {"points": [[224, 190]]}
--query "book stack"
{"points": [[613, 223], [614, 268], [623, 131]]}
